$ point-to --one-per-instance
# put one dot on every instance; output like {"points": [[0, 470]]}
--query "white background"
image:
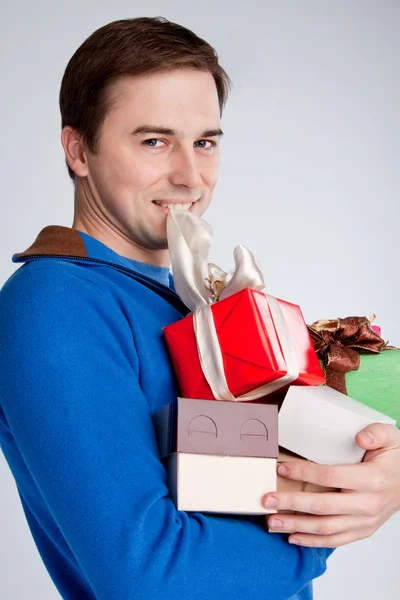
{"points": [[309, 181]]}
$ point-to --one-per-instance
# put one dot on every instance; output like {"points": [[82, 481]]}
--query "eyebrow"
{"points": [[149, 129]]}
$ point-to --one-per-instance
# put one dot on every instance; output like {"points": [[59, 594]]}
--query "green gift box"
{"points": [[377, 382], [356, 360]]}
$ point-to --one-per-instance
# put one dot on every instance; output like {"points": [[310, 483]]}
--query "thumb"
{"points": [[378, 435]]}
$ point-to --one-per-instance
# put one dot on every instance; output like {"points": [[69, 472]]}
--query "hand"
{"points": [[370, 494]]}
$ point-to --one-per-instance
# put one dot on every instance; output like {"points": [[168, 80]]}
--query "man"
{"points": [[84, 366]]}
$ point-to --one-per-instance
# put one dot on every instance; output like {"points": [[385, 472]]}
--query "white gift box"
{"points": [[220, 484], [320, 424]]}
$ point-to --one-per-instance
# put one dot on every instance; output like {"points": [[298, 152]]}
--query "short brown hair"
{"points": [[128, 47]]}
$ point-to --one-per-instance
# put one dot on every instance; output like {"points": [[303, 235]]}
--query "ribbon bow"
{"points": [[197, 282], [339, 342], [200, 284]]}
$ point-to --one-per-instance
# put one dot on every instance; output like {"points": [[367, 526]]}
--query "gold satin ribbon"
{"points": [[200, 284]]}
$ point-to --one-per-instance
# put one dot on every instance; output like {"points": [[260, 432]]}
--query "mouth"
{"points": [[167, 206]]}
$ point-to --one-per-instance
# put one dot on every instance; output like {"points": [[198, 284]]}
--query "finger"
{"points": [[330, 503], [361, 476], [322, 526], [330, 541], [378, 435]]}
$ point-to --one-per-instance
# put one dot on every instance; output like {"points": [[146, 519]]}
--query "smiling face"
{"points": [[159, 146]]}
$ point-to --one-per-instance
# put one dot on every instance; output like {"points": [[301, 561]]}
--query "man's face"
{"points": [[158, 146]]}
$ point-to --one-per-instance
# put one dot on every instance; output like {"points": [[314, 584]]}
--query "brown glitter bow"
{"points": [[339, 343]]}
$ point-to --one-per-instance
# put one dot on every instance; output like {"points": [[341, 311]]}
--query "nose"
{"points": [[185, 168]]}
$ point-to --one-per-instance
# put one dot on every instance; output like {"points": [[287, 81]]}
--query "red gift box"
{"points": [[251, 351]]}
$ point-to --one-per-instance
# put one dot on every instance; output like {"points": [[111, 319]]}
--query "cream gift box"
{"points": [[220, 457], [320, 424]]}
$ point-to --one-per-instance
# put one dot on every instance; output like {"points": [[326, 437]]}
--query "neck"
{"points": [[91, 219], [122, 245]]}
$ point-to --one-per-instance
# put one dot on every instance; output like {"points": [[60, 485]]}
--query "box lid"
{"points": [[216, 427]]}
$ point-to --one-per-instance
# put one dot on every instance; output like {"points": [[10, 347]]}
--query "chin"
{"points": [[158, 242]]}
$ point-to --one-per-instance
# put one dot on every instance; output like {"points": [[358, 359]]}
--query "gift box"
{"points": [[220, 484], [320, 424], [216, 427], [220, 457], [357, 361], [250, 346], [376, 383], [239, 343]]}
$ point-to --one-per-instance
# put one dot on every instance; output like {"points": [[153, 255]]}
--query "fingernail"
{"points": [[271, 502], [367, 437], [294, 541], [276, 524], [282, 470]]}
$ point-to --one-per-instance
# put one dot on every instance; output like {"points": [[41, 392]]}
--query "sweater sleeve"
{"points": [[70, 391]]}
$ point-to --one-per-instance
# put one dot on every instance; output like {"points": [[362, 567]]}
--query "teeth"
{"points": [[175, 206]]}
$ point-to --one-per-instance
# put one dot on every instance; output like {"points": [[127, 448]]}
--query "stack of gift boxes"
{"points": [[219, 456], [221, 453]]}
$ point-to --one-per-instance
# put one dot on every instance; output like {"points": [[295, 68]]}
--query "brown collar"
{"points": [[56, 240]]}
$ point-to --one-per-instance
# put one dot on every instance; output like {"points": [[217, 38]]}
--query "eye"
{"points": [[202, 144], [151, 143]]}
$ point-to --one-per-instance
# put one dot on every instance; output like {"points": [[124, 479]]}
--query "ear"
{"points": [[75, 154]]}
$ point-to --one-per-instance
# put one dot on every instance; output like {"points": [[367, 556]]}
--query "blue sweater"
{"points": [[83, 366]]}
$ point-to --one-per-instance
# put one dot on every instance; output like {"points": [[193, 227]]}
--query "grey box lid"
{"points": [[217, 427]]}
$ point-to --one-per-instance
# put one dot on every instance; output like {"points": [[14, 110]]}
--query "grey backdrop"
{"points": [[309, 181]]}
